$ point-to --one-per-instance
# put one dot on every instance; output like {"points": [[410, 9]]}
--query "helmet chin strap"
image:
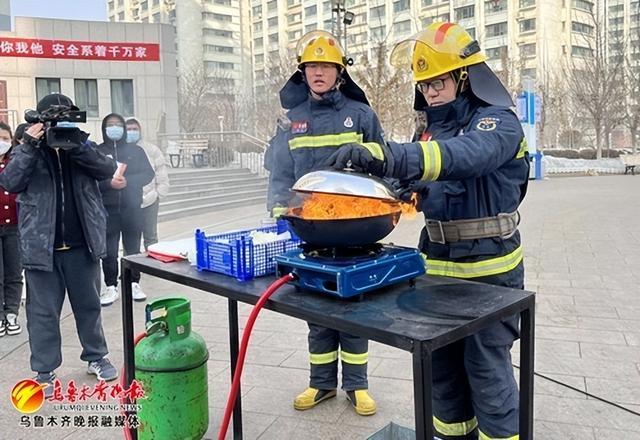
{"points": [[461, 77]]}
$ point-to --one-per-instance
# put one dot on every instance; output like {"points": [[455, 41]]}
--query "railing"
{"points": [[225, 149]]}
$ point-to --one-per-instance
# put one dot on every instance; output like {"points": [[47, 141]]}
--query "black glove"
{"points": [[359, 157]]}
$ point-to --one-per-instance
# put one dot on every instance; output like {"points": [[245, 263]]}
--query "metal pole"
{"points": [[234, 351]]}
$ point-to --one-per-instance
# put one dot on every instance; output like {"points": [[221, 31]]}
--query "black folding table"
{"points": [[435, 312]]}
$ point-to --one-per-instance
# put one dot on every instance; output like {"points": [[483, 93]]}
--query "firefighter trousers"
{"points": [[323, 357], [475, 394]]}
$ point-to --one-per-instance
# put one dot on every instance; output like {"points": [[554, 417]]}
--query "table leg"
{"points": [[422, 379], [233, 348], [527, 351], [127, 331]]}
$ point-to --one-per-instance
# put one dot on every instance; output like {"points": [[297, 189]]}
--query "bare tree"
{"points": [[631, 79], [593, 81]]}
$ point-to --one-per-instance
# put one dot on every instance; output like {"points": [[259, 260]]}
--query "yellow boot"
{"points": [[362, 402], [311, 397]]}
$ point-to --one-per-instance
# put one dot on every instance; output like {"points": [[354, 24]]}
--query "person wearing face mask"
{"points": [[62, 238], [470, 167], [325, 108], [154, 191], [10, 262], [122, 198]]}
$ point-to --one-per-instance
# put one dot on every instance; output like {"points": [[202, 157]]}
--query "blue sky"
{"points": [[70, 9]]}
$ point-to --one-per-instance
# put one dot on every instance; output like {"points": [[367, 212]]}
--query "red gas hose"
{"points": [[246, 333], [123, 400]]}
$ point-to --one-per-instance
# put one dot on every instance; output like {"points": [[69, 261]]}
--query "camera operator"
{"points": [[62, 233]]}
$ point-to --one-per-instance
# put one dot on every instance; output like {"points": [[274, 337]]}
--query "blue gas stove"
{"points": [[350, 271]]}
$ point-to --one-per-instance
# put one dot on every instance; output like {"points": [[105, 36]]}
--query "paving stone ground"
{"points": [[582, 257]]}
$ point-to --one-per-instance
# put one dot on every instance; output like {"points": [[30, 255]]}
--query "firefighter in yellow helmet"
{"points": [[325, 109], [469, 166]]}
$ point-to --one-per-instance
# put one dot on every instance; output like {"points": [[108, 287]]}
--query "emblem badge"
{"points": [[421, 64], [487, 124], [299, 127], [348, 122]]}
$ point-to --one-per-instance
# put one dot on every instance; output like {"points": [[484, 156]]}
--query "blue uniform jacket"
{"points": [[474, 165], [315, 128]]}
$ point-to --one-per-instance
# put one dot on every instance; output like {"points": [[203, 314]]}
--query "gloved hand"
{"points": [[368, 157], [277, 211]]}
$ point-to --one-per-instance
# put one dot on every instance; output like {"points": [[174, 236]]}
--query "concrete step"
{"points": [[207, 173], [205, 179], [215, 191], [214, 207], [229, 195], [212, 184]]}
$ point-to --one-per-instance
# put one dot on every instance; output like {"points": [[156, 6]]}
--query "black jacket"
{"points": [[30, 173], [138, 173]]}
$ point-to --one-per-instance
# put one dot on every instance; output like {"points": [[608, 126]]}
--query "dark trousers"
{"points": [[473, 381], [128, 223], [10, 271], [74, 272], [323, 351], [150, 224]]}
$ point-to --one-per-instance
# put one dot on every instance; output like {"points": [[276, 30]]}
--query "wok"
{"points": [[342, 232]]}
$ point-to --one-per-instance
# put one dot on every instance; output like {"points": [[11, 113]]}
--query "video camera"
{"points": [[60, 137]]}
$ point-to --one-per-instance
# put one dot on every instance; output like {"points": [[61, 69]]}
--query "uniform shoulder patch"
{"points": [[299, 127], [488, 124]]}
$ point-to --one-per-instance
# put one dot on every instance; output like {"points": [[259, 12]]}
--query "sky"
{"points": [[69, 9]]}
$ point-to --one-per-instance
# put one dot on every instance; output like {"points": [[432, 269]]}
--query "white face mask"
{"points": [[4, 147]]}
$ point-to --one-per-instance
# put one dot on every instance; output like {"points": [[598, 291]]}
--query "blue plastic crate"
{"points": [[239, 257]]}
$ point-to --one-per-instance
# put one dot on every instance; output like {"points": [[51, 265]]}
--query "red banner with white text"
{"points": [[78, 50]]}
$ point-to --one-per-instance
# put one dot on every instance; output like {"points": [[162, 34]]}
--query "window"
{"points": [[581, 51], [218, 17], [528, 25], [527, 3], [581, 28], [528, 50], [272, 6], [156, 17], [310, 10], [377, 12], [273, 38], [529, 73], [616, 21], [427, 3], [400, 5], [86, 94], [464, 12], [155, 2], [259, 58], [144, 6], [46, 86], [293, 18], [258, 42], [496, 30], [494, 6], [471, 32], [582, 4], [217, 49], [218, 65], [379, 33], [111, 6], [495, 53], [121, 16], [257, 10], [273, 22], [291, 2], [294, 35], [122, 97], [310, 27], [426, 21], [444, 17], [257, 27], [402, 26], [616, 8], [217, 33]]}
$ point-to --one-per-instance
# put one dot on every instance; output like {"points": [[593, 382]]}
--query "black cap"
{"points": [[55, 99]]}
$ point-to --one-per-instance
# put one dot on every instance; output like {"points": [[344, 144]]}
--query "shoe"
{"points": [[103, 369], [3, 327], [137, 293], [13, 328], [46, 379], [362, 402], [311, 397], [109, 296]]}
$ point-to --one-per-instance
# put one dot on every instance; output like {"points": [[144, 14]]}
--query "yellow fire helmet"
{"points": [[320, 47], [438, 49]]}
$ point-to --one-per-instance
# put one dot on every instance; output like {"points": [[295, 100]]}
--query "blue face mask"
{"points": [[133, 136], [66, 124], [114, 132]]}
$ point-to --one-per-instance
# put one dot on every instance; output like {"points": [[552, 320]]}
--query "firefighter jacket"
{"points": [[309, 134], [470, 163]]}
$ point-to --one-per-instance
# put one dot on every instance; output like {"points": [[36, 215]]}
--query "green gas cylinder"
{"points": [[171, 365]]}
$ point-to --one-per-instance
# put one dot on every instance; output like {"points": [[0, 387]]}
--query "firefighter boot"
{"points": [[362, 402], [311, 397]]}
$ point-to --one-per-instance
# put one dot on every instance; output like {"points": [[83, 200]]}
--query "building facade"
{"points": [[103, 67]]}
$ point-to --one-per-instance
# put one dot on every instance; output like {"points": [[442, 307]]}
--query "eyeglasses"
{"points": [[437, 84]]}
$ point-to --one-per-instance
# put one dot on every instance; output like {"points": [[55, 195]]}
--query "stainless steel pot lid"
{"points": [[348, 183]]}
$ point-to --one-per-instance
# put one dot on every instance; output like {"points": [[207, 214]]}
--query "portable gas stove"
{"points": [[349, 271]]}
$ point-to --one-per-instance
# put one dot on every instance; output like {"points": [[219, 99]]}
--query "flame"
{"points": [[322, 206]]}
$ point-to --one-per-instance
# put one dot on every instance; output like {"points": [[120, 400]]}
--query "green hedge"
{"points": [[585, 153]]}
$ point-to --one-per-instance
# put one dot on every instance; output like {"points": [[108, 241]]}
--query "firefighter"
{"points": [[470, 168], [325, 109]]}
